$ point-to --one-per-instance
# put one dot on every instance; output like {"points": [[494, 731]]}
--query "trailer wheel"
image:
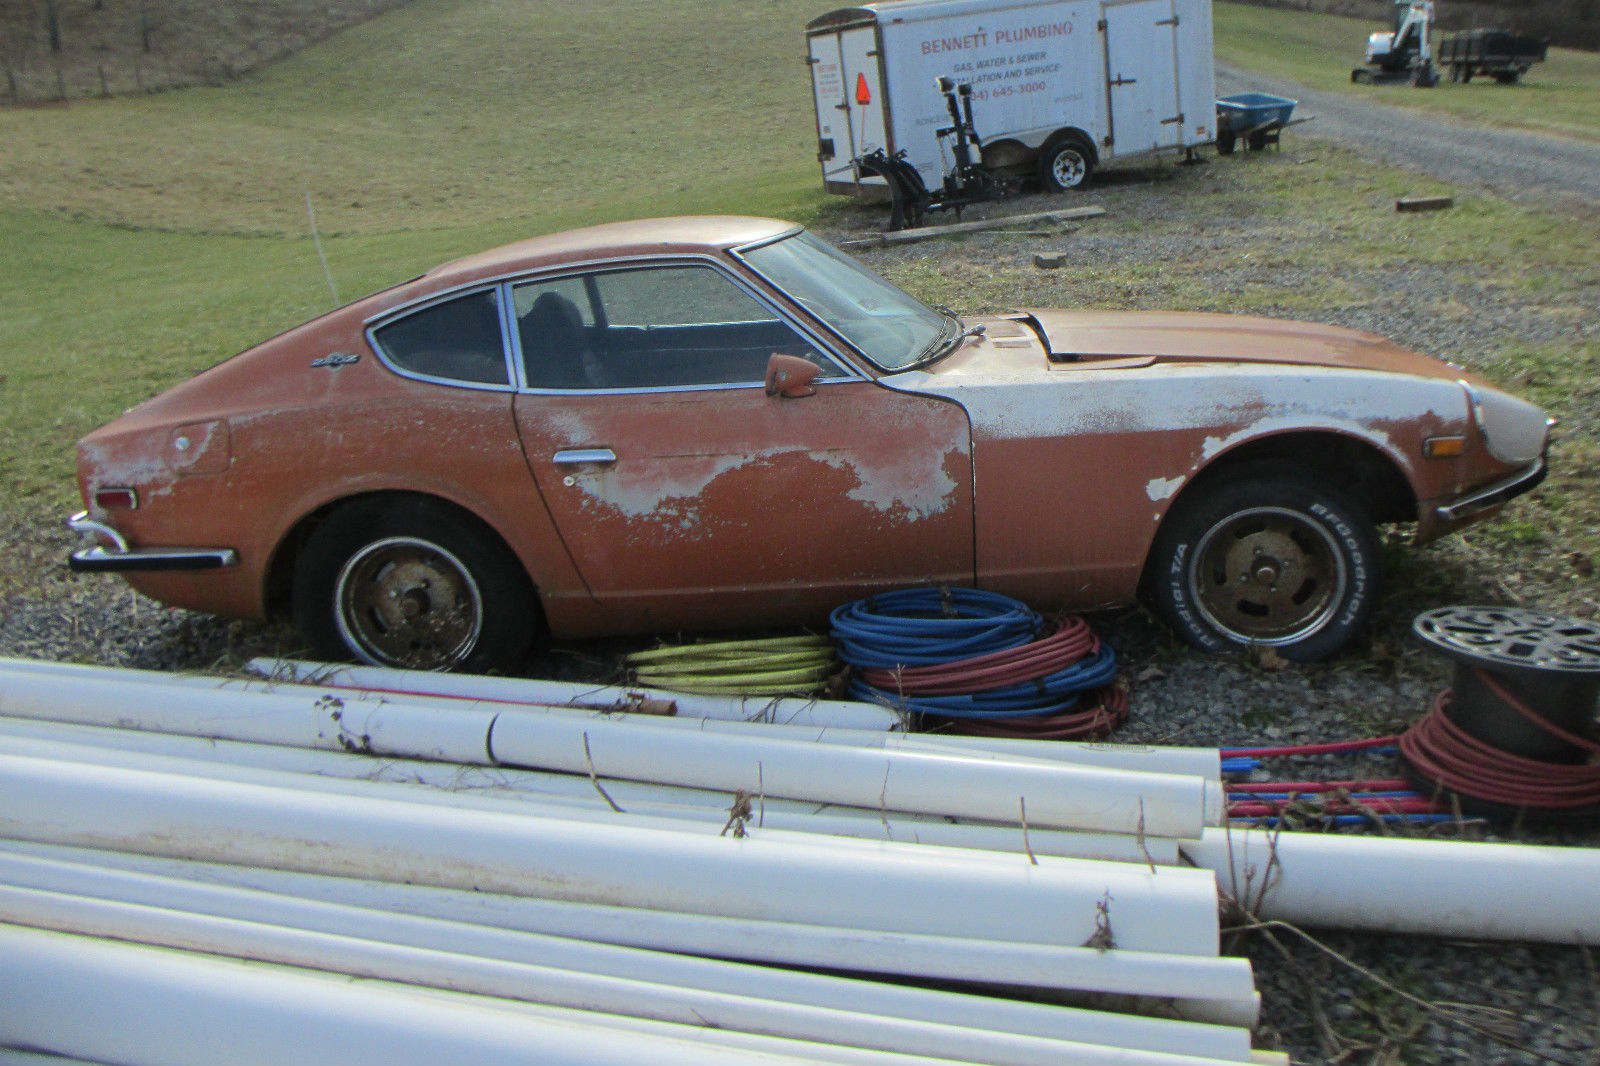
{"points": [[1064, 165], [1225, 143]]}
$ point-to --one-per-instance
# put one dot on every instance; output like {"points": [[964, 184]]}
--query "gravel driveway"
{"points": [[1518, 165]]}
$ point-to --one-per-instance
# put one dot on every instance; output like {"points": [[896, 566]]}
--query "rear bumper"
{"points": [[119, 557]]}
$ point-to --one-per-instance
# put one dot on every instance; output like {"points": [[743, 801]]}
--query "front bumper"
{"points": [[1473, 504], [121, 558]]}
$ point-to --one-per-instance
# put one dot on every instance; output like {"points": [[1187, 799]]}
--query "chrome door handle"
{"points": [[570, 456]]}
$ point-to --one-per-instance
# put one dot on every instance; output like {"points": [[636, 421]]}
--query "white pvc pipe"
{"points": [[757, 1009], [1150, 758], [59, 891], [1202, 762], [1062, 796], [1057, 796], [1219, 991], [884, 886], [547, 794], [10, 1056], [1401, 885], [785, 710], [304, 718], [122, 1003]]}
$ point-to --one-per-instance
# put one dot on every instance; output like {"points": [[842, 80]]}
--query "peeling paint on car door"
{"points": [[713, 506]]}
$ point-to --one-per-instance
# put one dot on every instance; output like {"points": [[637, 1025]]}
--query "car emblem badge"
{"points": [[336, 360], [333, 362]]}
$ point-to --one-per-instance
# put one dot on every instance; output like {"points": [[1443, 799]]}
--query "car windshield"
{"points": [[891, 328]]}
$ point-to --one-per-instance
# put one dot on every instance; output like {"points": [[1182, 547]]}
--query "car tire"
{"points": [[1269, 557], [1064, 165], [400, 582]]}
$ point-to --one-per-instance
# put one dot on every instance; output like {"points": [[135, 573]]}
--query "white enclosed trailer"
{"points": [[1059, 87]]}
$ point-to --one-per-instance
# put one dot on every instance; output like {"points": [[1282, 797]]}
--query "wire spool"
{"points": [[1516, 730], [980, 663], [776, 666]]}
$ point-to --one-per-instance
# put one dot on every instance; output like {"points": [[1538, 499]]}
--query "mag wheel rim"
{"points": [[409, 603], [1268, 575]]}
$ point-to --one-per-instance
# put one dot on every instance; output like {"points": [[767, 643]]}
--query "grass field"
{"points": [[147, 237]]}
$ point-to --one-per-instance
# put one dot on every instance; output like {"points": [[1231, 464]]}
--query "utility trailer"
{"points": [[1500, 54], [1058, 87]]}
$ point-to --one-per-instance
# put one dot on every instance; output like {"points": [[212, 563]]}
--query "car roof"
{"points": [[643, 237]]}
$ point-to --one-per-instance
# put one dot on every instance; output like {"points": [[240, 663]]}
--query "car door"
{"points": [[688, 496]]}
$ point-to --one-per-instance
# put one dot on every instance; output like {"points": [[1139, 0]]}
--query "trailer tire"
{"points": [[1066, 164], [1225, 143]]}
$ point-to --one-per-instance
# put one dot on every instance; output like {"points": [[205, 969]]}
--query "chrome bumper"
{"points": [[1493, 495], [120, 557]]}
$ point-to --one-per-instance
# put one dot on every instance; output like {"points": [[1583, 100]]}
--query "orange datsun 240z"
{"points": [[721, 422]]}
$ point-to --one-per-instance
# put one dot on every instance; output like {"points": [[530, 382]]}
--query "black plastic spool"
{"points": [[1548, 662], [1551, 664]]}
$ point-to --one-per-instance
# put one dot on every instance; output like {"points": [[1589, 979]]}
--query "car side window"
{"points": [[651, 327], [459, 340]]}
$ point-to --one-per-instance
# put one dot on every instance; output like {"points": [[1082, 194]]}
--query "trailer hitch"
{"points": [[967, 181]]}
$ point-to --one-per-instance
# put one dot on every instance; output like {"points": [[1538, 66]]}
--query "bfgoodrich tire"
{"points": [[406, 583], [1268, 558]]}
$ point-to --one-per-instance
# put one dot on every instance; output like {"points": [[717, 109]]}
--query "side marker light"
{"points": [[1444, 447]]}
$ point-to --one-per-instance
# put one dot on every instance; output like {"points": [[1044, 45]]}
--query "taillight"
{"points": [[116, 499]]}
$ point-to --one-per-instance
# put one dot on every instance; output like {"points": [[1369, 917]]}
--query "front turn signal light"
{"points": [[1444, 447]]}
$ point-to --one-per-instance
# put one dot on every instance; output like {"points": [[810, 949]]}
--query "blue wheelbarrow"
{"points": [[1254, 118]]}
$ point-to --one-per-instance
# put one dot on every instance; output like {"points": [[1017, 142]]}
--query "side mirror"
{"points": [[790, 376]]}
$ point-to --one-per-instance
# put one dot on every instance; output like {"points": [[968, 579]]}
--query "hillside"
{"points": [[61, 49]]}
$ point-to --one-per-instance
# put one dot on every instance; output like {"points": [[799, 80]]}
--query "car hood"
{"points": [[1089, 338]]}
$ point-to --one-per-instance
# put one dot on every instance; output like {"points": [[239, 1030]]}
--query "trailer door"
{"points": [[1142, 75], [846, 78]]}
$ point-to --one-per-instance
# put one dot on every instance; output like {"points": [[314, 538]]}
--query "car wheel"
{"points": [[1064, 165], [1270, 558], [403, 583]]}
